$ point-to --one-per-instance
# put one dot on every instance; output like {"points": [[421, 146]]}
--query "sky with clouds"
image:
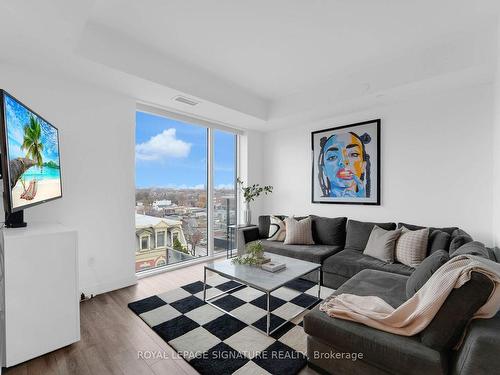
{"points": [[17, 116], [171, 153]]}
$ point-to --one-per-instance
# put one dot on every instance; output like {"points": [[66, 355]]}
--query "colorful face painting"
{"points": [[346, 165]]}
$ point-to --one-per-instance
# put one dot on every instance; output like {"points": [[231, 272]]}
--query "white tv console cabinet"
{"points": [[39, 292]]}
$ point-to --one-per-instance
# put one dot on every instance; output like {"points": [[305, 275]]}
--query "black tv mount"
{"points": [[15, 219]]}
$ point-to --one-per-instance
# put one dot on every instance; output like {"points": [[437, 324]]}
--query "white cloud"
{"points": [[162, 146]]}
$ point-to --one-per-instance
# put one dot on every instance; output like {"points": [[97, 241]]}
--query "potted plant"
{"points": [[249, 194], [254, 255]]}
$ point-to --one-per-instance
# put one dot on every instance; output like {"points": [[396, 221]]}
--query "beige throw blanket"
{"points": [[416, 313]]}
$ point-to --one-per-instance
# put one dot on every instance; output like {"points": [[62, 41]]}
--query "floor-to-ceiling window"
{"points": [[174, 160]]}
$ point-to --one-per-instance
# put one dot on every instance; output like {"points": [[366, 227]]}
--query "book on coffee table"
{"points": [[265, 260], [273, 266]]}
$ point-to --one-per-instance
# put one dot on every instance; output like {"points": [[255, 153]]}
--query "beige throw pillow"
{"points": [[411, 246], [298, 232], [277, 230], [381, 244]]}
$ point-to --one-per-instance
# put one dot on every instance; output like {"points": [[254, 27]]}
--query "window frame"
{"points": [[148, 237], [236, 162], [170, 241], [164, 231]]}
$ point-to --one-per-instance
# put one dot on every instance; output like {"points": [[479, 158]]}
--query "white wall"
{"points": [[97, 159], [436, 166], [250, 168], [496, 150], [436, 163]]}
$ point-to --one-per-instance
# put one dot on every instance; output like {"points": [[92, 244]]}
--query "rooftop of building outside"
{"points": [[142, 221]]}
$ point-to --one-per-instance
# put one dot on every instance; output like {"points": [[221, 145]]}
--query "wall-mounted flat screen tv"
{"points": [[31, 163]]}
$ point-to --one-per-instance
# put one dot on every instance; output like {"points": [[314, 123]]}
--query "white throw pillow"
{"points": [[277, 229], [298, 232], [411, 246]]}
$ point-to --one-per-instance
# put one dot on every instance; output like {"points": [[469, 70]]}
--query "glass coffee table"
{"points": [[264, 281]]}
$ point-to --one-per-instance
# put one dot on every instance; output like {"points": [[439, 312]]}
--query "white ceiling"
{"points": [[281, 47], [254, 63]]}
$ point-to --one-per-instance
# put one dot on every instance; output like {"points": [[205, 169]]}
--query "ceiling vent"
{"points": [[184, 100]]}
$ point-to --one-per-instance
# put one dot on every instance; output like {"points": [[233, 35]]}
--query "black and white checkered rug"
{"points": [[216, 343]]}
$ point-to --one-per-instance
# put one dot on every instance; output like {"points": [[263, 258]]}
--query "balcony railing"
{"points": [[154, 258], [224, 241]]}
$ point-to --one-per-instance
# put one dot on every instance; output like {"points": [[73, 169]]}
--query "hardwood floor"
{"points": [[112, 336]]}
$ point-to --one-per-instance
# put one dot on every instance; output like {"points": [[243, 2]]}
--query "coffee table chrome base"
{"points": [[268, 332]]}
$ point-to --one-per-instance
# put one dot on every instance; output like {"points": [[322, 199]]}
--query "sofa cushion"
{"points": [[390, 287], [459, 232], [336, 361], [358, 233], [425, 270], [478, 354], [298, 232], [458, 241], [249, 234], [494, 253], [381, 244], [332, 280], [448, 325], [449, 230], [310, 253], [438, 240], [472, 248], [328, 231], [399, 268], [349, 262], [394, 353]]}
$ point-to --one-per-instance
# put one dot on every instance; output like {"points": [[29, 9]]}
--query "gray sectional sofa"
{"points": [[430, 352], [332, 343], [339, 245]]}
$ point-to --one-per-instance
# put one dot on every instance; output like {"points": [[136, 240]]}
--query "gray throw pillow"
{"points": [[472, 248], [298, 232], [438, 240], [381, 244], [358, 233], [424, 271], [458, 241], [448, 324]]}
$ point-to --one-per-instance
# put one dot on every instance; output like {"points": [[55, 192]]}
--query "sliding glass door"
{"points": [[225, 200], [174, 160]]}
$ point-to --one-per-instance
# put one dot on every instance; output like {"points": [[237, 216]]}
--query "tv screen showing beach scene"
{"points": [[33, 156]]}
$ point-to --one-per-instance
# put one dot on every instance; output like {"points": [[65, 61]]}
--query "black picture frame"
{"points": [[375, 171]]}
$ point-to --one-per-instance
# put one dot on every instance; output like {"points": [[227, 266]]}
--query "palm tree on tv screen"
{"points": [[32, 141]]}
